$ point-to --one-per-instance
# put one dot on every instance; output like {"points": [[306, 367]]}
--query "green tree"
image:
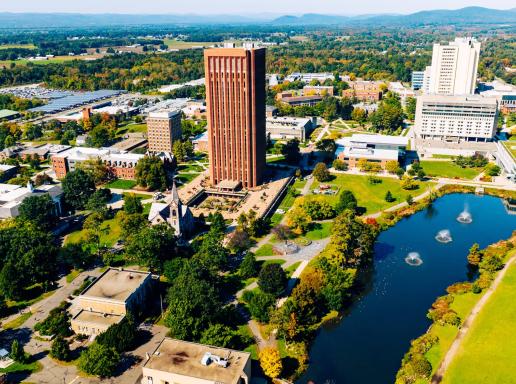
{"points": [[98, 200], [78, 186], [60, 349], [260, 304], [150, 173], [179, 151], [99, 360], [272, 279], [291, 151], [389, 198], [492, 169], [121, 336], [40, 210], [152, 246], [340, 165], [475, 256], [321, 173], [410, 108], [347, 200], [220, 335], [409, 199], [96, 169], [249, 266], [17, 352], [132, 204], [359, 115], [193, 304]]}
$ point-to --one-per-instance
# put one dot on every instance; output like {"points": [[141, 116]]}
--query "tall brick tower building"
{"points": [[235, 99]]}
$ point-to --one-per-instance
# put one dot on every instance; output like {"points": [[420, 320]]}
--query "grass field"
{"points": [[487, 353], [511, 146], [264, 250], [121, 184], [372, 196], [17, 322], [449, 169], [57, 59], [175, 44], [21, 46], [109, 236], [131, 128], [31, 367], [320, 231]]}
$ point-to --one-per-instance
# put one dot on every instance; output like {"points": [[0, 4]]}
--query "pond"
{"points": [[367, 345]]}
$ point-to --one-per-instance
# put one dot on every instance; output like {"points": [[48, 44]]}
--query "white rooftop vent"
{"points": [[208, 358]]}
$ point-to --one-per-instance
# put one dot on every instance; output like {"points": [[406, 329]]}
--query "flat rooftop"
{"points": [[97, 318], [374, 139], [184, 358], [116, 284]]}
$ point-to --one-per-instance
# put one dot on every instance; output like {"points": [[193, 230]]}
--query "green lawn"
{"points": [[319, 231], [511, 146], [487, 353], [449, 169], [31, 367], [131, 128], [17, 322], [108, 237], [264, 250], [276, 159], [121, 184], [274, 261], [372, 196], [290, 270], [299, 184], [72, 275], [276, 219], [21, 46]]}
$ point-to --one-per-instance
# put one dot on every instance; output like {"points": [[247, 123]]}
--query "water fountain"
{"points": [[444, 236], [465, 217], [413, 259]]}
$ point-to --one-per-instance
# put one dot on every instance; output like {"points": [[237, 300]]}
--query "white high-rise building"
{"points": [[456, 118], [426, 80], [454, 67]]}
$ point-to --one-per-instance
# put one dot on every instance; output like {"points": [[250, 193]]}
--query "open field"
{"points": [[372, 196], [121, 184], [449, 169], [487, 352], [57, 59], [21, 46], [110, 233], [511, 146], [175, 44], [131, 128]]}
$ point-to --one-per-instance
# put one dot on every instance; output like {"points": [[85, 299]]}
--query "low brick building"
{"points": [[364, 91]]}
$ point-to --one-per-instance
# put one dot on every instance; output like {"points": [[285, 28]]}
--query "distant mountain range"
{"points": [[469, 15]]}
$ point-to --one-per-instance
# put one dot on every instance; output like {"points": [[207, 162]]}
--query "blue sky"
{"points": [[345, 7]]}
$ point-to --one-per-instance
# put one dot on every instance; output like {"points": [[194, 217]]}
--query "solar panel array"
{"points": [[75, 99]]}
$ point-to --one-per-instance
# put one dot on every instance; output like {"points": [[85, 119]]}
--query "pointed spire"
{"points": [[175, 195]]}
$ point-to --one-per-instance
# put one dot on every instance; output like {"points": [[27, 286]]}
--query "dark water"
{"points": [[368, 344]]}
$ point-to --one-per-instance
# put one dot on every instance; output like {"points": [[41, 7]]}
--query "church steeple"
{"points": [[175, 195]]}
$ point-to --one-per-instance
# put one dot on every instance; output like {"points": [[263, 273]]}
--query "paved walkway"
{"points": [[452, 352]]}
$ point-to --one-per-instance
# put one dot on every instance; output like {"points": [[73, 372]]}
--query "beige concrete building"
{"points": [[108, 299], [182, 362], [163, 128]]}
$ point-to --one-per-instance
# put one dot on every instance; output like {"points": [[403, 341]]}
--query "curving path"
{"points": [[438, 376]]}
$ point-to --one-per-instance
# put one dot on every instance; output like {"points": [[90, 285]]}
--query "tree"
{"points": [[150, 173], [410, 107], [239, 241], [291, 151], [340, 165], [99, 360], [193, 304], [328, 146], [392, 166], [298, 220], [17, 352], [98, 201], [56, 323], [475, 256], [400, 172], [282, 232], [40, 210], [492, 169], [131, 224], [409, 184], [220, 335], [78, 186], [389, 115], [249, 266], [409, 199], [321, 173], [121, 336], [260, 304], [272, 279], [270, 361], [179, 151], [347, 200], [60, 349], [152, 246], [317, 207], [132, 204], [389, 198], [96, 169], [359, 115]]}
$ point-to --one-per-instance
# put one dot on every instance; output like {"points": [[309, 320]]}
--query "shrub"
{"points": [[99, 360], [60, 349], [321, 173], [459, 288], [340, 165]]}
